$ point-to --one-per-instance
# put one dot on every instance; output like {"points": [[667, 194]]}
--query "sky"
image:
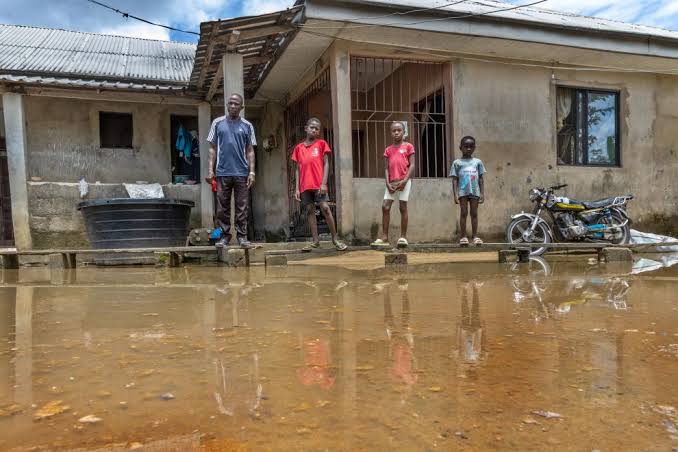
{"points": [[187, 14]]}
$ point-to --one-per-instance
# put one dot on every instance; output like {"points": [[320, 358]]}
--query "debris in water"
{"points": [[51, 409], [302, 407], [167, 396], [323, 403], [89, 419], [10, 410], [529, 420], [548, 414], [435, 389], [461, 435], [103, 394]]}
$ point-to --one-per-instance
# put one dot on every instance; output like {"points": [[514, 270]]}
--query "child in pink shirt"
{"points": [[399, 168]]}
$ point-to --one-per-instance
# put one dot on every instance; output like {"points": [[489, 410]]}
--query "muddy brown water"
{"points": [[474, 356]]}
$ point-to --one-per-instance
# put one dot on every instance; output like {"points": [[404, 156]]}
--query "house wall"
{"points": [[511, 112], [270, 199], [63, 145]]}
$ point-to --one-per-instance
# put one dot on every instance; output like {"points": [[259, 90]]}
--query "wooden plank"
{"points": [[208, 56], [216, 81], [259, 32]]}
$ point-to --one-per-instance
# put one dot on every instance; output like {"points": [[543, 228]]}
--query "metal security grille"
{"points": [[413, 92], [315, 101]]}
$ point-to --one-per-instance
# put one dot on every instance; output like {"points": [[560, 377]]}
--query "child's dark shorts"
{"points": [[469, 197], [313, 197]]}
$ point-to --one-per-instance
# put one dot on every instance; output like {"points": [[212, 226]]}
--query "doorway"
{"points": [[315, 101], [185, 149]]}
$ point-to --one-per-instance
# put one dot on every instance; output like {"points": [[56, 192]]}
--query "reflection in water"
{"points": [[470, 331], [400, 337], [323, 358]]}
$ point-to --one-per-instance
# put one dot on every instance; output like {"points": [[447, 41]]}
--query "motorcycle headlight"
{"points": [[534, 194]]}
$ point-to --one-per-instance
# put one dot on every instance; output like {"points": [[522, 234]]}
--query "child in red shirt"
{"points": [[399, 168], [313, 165]]}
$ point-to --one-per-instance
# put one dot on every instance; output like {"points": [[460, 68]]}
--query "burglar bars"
{"points": [[385, 90]]}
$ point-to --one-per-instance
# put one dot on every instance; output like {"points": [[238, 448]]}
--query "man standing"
{"points": [[232, 144]]}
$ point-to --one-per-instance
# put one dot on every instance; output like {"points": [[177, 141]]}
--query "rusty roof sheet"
{"points": [[260, 39], [59, 54]]}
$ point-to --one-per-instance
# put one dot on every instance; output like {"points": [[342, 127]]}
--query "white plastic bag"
{"points": [[640, 238], [145, 191]]}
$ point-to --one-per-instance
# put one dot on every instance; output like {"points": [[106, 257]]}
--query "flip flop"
{"points": [[310, 247], [340, 246]]}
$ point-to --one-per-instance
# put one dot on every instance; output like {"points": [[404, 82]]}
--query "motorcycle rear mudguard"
{"points": [[531, 217]]}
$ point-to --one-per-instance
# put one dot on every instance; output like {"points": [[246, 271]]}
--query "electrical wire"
{"points": [[465, 16], [401, 13], [130, 16]]}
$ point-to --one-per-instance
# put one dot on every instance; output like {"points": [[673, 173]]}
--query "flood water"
{"points": [[576, 356]]}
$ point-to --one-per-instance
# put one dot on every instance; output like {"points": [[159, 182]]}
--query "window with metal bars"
{"points": [[413, 92]]}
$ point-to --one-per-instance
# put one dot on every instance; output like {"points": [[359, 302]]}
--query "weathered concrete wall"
{"points": [[63, 141], [270, 198], [55, 222], [511, 111], [63, 144], [432, 213]]}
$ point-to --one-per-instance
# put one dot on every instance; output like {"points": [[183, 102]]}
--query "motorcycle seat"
{"points": [[598, 204]]}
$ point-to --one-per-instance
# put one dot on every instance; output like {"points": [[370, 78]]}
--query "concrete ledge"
{"points": [[276, 260], [617, 255], [169, 259], [234, 257]]}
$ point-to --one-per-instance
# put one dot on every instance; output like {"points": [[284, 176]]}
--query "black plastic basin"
{"points": [[136, 223]]}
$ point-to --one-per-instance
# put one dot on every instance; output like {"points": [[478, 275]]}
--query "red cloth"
{"points": [[311, 161], [398, 160]]}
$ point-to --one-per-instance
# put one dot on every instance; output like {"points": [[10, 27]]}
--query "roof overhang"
{"points": [[533, 25], [259, 39]]}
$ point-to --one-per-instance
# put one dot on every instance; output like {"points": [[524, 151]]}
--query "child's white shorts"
{"points": [[399, 195]]}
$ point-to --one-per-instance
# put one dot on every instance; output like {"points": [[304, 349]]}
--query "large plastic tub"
{"points": [[136, 223]]}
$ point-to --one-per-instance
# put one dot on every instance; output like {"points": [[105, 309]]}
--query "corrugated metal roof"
{"points": [[66, 82], [52, 54]]}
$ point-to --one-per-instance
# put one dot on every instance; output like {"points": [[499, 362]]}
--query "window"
{"points": [[413, 92], [588, 127], [115, 130]]}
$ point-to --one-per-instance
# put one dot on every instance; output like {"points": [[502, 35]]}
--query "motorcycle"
{"points": [[604, 220], [556, 296]]}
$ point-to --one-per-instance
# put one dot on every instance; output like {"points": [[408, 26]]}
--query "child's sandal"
{"points": [[310, 247], [463, 241], [477, 241]]}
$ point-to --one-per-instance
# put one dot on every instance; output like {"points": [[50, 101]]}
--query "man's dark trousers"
{"points": [[238, 186]]}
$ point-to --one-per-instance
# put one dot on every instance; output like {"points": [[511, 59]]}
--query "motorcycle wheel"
{"points": [[625, 236], [516, 228]]}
